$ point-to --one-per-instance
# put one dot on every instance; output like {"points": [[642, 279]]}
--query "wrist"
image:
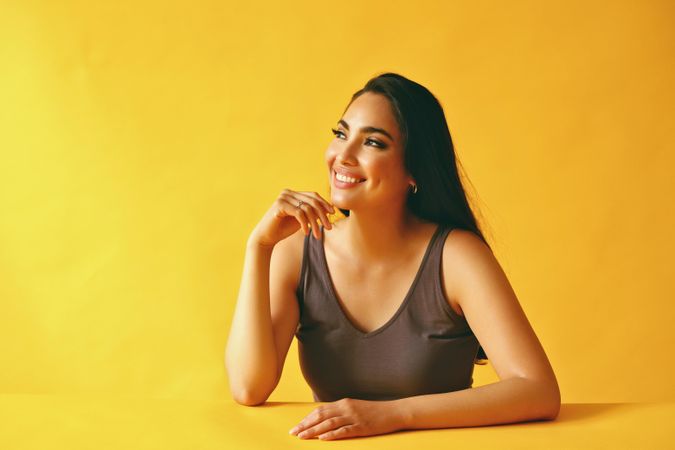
{"points": [[253, 244], [401, 414], [258, 247]]}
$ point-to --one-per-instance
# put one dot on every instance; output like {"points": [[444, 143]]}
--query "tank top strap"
{"points": [[302, 281], [313, 252], [421, 350], [436, 247]]}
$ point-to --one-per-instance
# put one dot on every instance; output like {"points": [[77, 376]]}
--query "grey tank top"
{"points": [[424, 348]]}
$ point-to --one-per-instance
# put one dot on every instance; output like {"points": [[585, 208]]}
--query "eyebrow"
{"points": [[368, 129]]}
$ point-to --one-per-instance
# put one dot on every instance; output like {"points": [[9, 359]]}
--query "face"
{"points": [[376, 157]]}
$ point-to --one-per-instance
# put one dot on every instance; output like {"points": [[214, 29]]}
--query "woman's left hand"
{"points": [[350, 417]]}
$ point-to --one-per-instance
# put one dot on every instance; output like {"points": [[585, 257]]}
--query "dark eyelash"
{"points": [[379, 144]]}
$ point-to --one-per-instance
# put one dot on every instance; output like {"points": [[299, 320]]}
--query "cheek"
{"points": [[329, 156], [383, 170], [389, 177]]}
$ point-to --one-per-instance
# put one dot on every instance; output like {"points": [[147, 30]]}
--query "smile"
{"points": [[343, 182], [346, 179]]}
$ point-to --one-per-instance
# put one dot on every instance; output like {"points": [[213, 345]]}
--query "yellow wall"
{"points": [[140, 143]]}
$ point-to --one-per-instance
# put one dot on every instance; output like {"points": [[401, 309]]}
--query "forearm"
{"points": [[251, 357], [506, 401]]}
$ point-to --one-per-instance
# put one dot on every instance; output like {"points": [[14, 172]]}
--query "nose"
{"points": [[347, 153]]}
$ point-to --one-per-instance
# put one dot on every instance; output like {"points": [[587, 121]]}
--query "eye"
{"points": [[377, 143], [336, 132]]}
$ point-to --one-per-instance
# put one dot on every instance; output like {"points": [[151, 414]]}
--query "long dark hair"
{"points": [[429, 156]]}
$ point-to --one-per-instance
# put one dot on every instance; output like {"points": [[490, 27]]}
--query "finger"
{"points": [[317, 415], [339, 433], [310, 207], [323, 219], [323, 427], [315, 197], [322, 208], [324, 203], [292, 210], [313, 208], [312, 217]]}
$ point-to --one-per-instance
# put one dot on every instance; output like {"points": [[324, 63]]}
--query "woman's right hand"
{"points": [[284, 217]]}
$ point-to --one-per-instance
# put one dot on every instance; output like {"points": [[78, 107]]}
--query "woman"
{"points": [[381, 363]]}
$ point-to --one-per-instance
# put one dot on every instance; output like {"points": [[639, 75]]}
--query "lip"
{"points": [[343, 185], [348, 174]]}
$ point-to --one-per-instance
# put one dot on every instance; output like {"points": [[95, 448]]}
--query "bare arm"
{"points": [[528, 389], [510, 400], [267, 312], [250, 357]]}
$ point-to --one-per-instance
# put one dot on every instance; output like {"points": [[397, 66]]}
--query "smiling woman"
{"points": [[392, 305]]}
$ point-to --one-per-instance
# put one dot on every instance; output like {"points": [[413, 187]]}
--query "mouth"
{"points": [[348, 180]]}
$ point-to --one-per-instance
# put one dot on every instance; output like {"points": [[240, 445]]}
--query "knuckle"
{"points": [[349, 405]]}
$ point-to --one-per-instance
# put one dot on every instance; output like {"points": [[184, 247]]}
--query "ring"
{"points": [[300, 204]]}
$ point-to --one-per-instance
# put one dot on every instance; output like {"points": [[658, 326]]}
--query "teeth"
{"points": [[345, 179]]}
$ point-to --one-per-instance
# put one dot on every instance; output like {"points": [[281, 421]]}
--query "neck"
{"points": [[375, 236]]}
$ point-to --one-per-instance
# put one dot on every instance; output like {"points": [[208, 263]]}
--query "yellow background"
{"points": [[140, 143]]}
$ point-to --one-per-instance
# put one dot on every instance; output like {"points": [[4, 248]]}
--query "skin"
{"points": [[378, 228], [380, 238], [379, 224]]}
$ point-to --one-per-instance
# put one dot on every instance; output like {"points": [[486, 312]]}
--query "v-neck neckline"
{"points": [[402, 305]]}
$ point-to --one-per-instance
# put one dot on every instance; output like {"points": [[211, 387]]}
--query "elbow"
{"points": [[543, 399], [549, 411], [250, 393], [248, 398], [246, 395], [554, 406], [249, 390], [550, 401]]}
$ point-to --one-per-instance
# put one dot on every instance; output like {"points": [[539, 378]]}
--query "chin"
{"points": [[339, 205], [338, 199]]}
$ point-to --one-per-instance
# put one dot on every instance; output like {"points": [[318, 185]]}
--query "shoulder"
{"points": [[467, 243], [467, 260]]}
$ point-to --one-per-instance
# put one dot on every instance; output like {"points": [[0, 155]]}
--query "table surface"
{"points": [[71, 422]]}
